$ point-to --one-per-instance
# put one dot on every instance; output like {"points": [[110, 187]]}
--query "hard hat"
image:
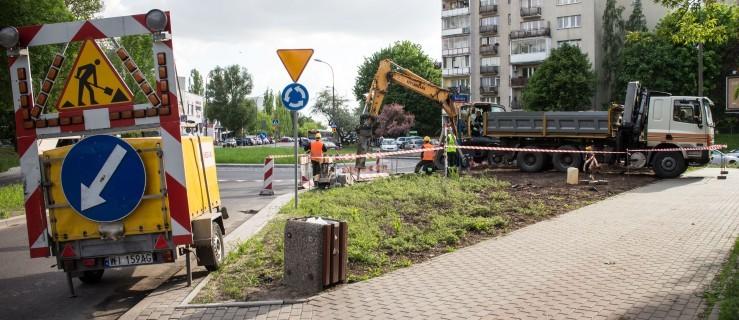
{"points": [[318, 135], [426, 139], [589, 148]]}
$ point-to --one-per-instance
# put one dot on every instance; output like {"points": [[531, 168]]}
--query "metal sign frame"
{"points": [[730, 94], [161, 113]]}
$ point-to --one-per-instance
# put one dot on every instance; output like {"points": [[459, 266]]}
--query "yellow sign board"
{"points": [[93, 81], [295, 61]]}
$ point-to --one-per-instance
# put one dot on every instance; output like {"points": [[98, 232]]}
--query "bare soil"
{"points": [[549, 188]]}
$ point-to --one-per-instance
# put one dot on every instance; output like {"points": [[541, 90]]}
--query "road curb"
{"points": [[14, 221], [246, 304]]}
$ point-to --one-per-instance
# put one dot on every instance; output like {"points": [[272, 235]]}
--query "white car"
{"points": [[729, 159], [388, 145]]}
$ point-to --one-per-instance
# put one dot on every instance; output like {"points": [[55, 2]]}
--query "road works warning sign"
{"points": [[93, 81]]}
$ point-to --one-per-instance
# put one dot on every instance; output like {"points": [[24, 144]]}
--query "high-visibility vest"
{"points": [[428, 154], [451, 143], [316, 150]]}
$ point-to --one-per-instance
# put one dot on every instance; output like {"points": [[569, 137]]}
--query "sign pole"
{"points": [[294, 115]]}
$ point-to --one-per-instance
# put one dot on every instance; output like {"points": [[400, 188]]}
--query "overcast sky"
{"points": [[247, 32]]}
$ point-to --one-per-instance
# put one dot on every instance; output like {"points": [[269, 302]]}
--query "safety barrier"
{"points": [[269, 169]]}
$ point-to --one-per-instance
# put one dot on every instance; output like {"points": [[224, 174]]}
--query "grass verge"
{"points": [[256, 155], [11, 199], [8, 159], [731, 140], [392, 223], [724, 290]]}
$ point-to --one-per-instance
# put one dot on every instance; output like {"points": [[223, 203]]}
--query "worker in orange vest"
{"points": [[317, 148], [427, 156]]}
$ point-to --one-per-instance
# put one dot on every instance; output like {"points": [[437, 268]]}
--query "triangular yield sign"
{"points": [[93, 81], [295, 61]]}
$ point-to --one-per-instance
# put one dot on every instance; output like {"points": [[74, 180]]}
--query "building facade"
{"points": [[490, 48], [192, 113]]}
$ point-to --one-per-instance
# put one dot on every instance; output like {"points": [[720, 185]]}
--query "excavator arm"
{"points": [[389, 72]]}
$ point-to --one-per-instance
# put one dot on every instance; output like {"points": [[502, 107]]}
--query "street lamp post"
{"points": [[333, 89]]}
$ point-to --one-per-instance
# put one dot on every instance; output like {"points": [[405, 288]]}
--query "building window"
{"points": [[564, 2], [455, 43], [488, 41], [489, 21], [488, 2], [456, 62], [455, 5], [572, 42], [490, 61], [455, 22], [523, 46], [533, 25], [568, 22], [525, 4], [490, 81]]}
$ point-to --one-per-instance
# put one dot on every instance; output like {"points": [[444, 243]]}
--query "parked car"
{"points": [[330, 145], [388, 145], [230, 142], [401, 142], [304, 142], [286, 139], [729, 160], [414, 144], [250, 140]]}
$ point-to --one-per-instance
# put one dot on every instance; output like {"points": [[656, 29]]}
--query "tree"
{"points": [[307, 124], [285, 126], [227, 101], [410, 56], [563, 82], [140, 49], [268, 104], [338, 114], [708, 23], [196, 84], [394, 121], [637, 22], [83, 9], [613, 39]]}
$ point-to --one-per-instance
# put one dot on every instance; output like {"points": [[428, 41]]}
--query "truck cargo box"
{"points": [[595, 124], [152, 213]]}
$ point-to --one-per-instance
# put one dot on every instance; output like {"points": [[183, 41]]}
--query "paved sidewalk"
{"points": [[645, 254]]}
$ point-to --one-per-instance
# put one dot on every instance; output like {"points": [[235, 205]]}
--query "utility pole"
{"points": [[700, 69]]}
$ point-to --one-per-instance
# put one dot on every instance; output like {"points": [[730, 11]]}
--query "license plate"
{"points": [[129, 259]]}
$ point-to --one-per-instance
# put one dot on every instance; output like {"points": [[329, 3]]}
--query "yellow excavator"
{"points": [[389, 72]]}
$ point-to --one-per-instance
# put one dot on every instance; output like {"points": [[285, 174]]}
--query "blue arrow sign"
{"points": [[295, 96], [103, 178]]}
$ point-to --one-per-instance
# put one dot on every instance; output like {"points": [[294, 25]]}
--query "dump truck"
{"points": [[652, 129], [105, 201]]}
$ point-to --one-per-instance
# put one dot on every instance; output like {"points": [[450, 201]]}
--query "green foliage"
{"points": [[227, 103], [564, 81], [410, 56], [337, 112], [256, 155], [8, 159], [637, 22], [662, 65], [613, 41], [11, 199], [711, 23], [196, 84], [140, 49], [724, 290], [268, 105], [307, 124], [84, 9], [285, 128]]}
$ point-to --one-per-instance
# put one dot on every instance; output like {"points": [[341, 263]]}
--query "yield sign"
{"points": [[92, 81], [295, 61]]}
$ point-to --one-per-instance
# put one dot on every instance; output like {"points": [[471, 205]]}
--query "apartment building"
{"points": [[491, 48]]}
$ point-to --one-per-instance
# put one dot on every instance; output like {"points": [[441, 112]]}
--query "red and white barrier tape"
{"points": [[709, 148]]}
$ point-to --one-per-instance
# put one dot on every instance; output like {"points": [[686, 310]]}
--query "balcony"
{"points": [[456, 72], [459, 90], [489, 50], [531, 12], [541, 32], [489, 9], [489, 69], [489, 29], [455, 52], [519, 82], [489, 90], [455, 31], [455, 12]]}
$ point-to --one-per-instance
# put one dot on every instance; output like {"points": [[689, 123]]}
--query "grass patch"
{"points": [[11, 199], [256, 155], [731, 140], [724, 290], [392, 223], [8, 159]]}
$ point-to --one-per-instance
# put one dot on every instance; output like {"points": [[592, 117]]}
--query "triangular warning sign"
{"points": [[295, 61], [93, 81]]}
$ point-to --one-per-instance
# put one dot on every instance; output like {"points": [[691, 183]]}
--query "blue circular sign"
{"points": [[295, 97], [103, 178]]}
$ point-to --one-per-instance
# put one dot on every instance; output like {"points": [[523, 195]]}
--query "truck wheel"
{"points": [[531, 161], [669, 164], [563, 161], [217, 248], [92, 276]]}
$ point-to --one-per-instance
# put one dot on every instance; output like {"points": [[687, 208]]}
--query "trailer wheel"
{"points": [[669, 164], [563, 161], [92, 276], [531, 161], [217, 249]]}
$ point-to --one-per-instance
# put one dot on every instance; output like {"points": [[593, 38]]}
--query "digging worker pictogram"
{"points": [[83, 76]]}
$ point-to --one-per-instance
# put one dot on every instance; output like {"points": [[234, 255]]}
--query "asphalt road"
{"points": [[35, 289]]}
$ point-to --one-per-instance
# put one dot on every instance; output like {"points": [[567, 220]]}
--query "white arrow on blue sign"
{"points": [[295, 96], [103, 178]]}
